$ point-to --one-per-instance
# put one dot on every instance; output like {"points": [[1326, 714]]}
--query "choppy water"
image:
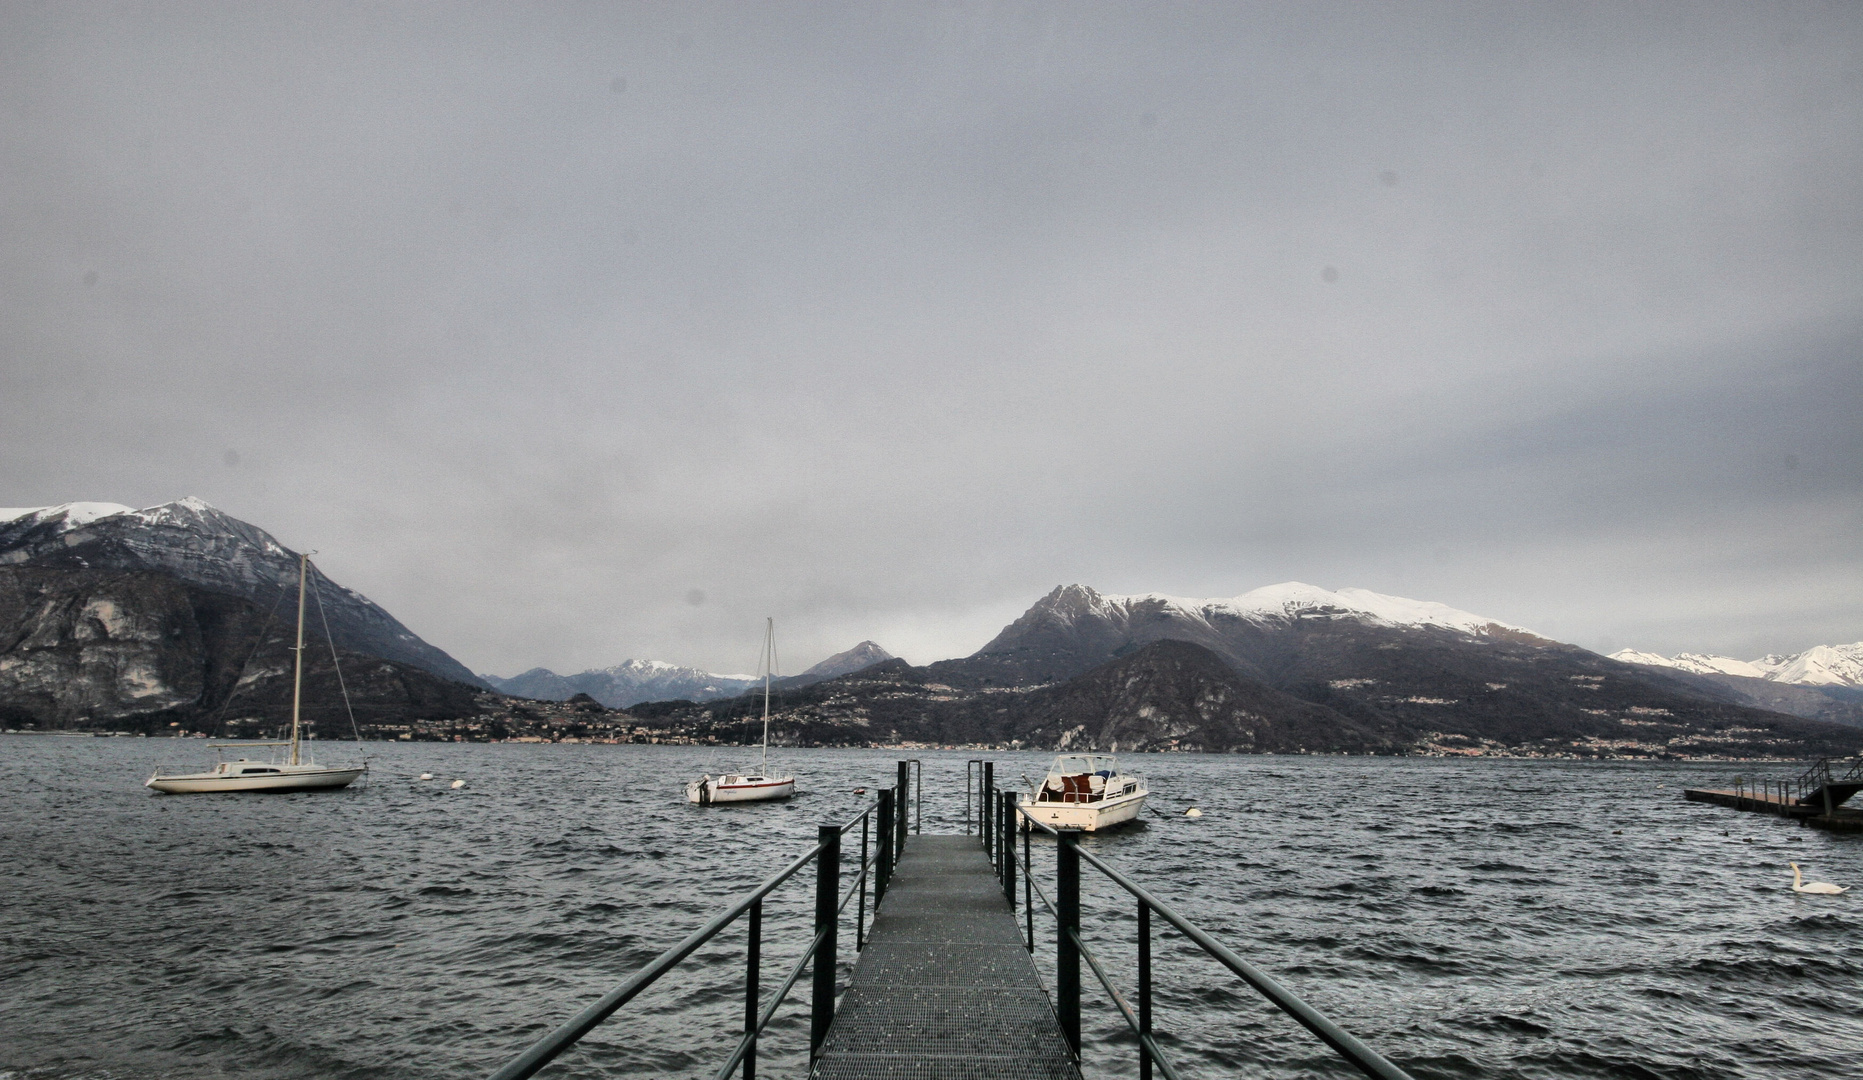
{"points": [[1466, 918]]}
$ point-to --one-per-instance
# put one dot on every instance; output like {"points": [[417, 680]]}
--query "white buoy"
{"points": [[1193, 812], [426, 776], [457, 784]]}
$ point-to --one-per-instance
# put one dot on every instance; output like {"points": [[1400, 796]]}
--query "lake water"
{"points": [[1532, 919]]}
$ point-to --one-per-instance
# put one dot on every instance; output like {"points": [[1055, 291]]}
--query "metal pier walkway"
{"points": [[945, 989]]}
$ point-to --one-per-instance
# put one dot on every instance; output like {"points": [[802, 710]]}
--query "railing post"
{"points": [[827, 891], [986, 806], [885, 868], [1028, 886], [860, 920], [753, 964], [1144, 980], [1067, 953], [970, 768], [1009, 848], [904, 787]]}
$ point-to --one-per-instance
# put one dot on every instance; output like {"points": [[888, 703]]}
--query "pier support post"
{"points": [[1067, 951], [884, 871], [827, 893]]}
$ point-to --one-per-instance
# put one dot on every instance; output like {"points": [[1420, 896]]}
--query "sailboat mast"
{"points": [[297, 683], [769, 661]]}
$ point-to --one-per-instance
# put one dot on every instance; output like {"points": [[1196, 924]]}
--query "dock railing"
{"points": [[882, 837], [1003, 818]]}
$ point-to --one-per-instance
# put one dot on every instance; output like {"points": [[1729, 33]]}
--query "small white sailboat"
{"points": [[292, 770], [759, 786], [1085, 793]]}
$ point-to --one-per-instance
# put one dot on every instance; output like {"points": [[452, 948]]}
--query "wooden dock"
{"points": [[1840, 819], [945, 989]]}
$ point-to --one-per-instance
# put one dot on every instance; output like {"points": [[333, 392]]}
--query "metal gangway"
{"points": [[946, 983]]}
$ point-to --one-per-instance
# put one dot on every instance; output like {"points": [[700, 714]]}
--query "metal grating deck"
{"points": [[944, 989]]}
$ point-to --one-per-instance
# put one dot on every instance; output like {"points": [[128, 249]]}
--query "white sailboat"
{"points": [[292, 770], [759, 786]]}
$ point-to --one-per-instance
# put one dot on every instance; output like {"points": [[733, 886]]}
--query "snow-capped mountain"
{"points": [[1075, 628], [627, 683], [1820, 665], [204, 547], [1276, 603]]}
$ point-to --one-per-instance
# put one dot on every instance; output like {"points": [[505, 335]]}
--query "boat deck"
{"points": [[945, 989]]}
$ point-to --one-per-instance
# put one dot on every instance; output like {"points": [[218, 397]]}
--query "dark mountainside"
{"points": [[137, 651], [1173, 695], [1170, 695], [864, 655], [1839, 705], [1430, 689], [142, 620]]}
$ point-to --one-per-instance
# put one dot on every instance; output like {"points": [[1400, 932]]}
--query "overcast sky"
{"points": [[572, 333]]}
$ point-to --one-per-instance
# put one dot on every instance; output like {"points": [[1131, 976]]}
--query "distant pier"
{"points": [[1815, 798]]}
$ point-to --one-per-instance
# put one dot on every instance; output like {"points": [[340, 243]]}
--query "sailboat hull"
{"points": [[709, 792], [316, 778]]}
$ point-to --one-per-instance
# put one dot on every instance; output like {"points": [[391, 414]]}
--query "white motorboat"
{"points": [[289, 767], [759, 786], [1085, 793]]}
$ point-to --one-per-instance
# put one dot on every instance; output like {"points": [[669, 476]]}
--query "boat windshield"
{"points": [[1089, 764]]}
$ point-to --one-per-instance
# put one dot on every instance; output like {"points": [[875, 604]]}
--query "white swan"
{"points": [[426, 776], [457, 784], [1822, 888]]}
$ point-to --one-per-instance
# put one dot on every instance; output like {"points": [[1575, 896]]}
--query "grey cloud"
{"points": [[884, 321]]}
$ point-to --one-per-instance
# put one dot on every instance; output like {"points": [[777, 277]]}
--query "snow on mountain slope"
{"points": [[1821, 665], [17, 520], [1647, 659], [1294, 599]]}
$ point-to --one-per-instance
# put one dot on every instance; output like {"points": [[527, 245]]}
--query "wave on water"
{"points": [[1535, 920]]}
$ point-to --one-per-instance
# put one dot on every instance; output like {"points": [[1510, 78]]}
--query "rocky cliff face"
{"points": [[139, 619], [141, 651], [195, 544]]}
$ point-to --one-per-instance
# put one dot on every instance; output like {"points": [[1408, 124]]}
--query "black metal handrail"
{"points": [[1071, 948], [887, 812]]}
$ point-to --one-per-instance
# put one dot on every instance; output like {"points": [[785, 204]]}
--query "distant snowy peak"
{"points": [[660, 669], [628, 683], [1821, 665], [1288, 601]]}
